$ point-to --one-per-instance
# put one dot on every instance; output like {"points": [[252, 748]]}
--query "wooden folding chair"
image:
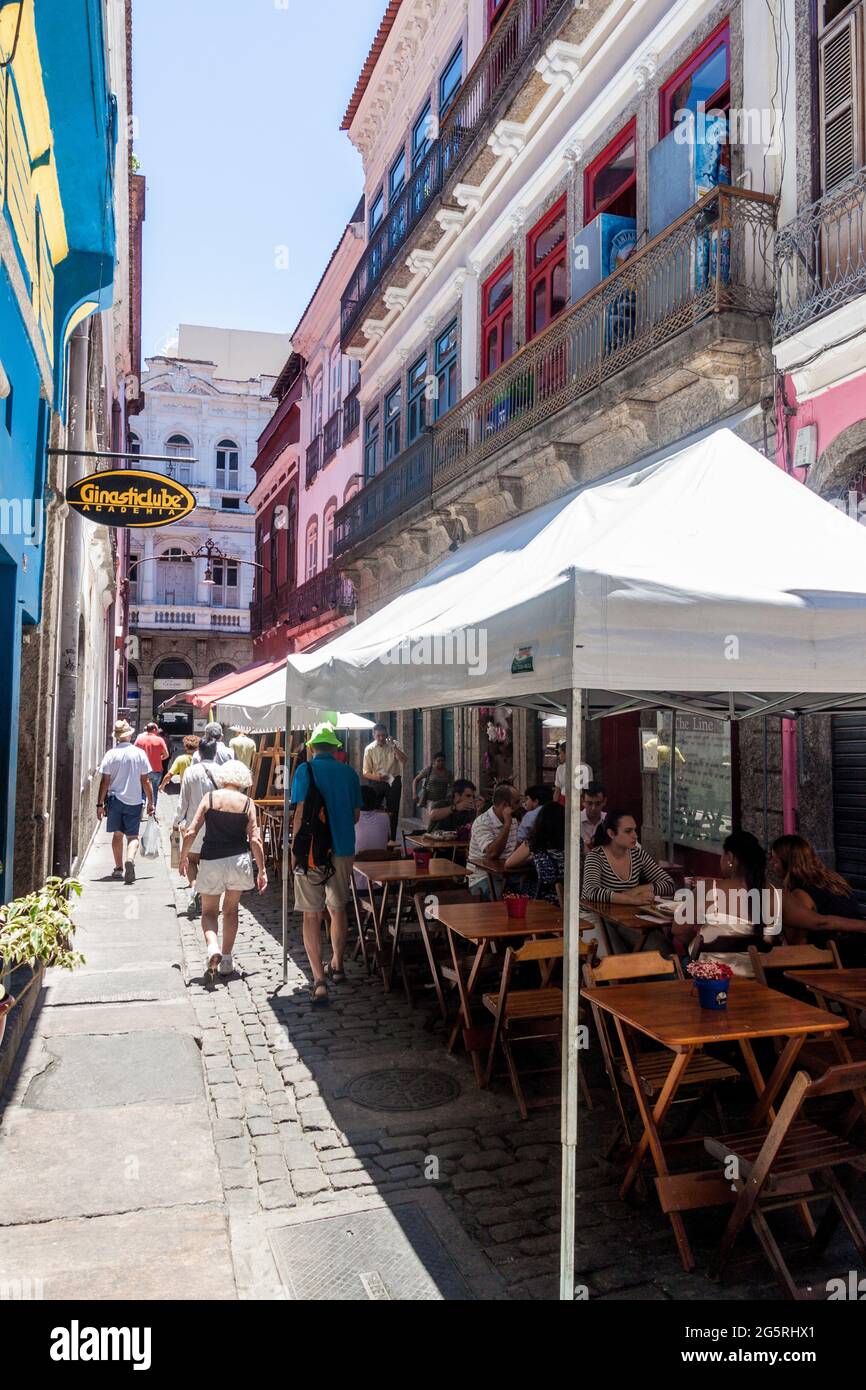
{"points": [[816, 1053], [652, 1068], [363, 911], [793, 1163], [528, 1015], [435, 942]]}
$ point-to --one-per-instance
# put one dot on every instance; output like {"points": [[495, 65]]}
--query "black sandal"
{"points": [[338, 977], [319, 999]]}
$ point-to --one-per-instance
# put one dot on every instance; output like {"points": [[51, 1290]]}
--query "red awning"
{"points": [[206, 695]]}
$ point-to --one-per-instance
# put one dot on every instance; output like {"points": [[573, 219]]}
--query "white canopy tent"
{"points": [[261, 707], [708, 581]]}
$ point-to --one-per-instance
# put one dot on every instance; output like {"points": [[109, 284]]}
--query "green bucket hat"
{"points": [[323, 735]]}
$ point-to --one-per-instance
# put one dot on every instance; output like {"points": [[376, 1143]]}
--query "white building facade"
{"points": [[191, 584]]}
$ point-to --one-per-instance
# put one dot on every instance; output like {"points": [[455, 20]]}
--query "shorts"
{"points": [[215, 876], [312, 895], [121, 818]]}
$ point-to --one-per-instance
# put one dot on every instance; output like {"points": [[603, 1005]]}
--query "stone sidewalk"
{"points": [[334, 1153]]}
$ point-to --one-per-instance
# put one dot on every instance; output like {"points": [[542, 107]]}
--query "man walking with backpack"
{"points": [[326, 795]]}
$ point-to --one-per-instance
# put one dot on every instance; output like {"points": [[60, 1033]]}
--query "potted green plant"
{"points": [[36, 930]]}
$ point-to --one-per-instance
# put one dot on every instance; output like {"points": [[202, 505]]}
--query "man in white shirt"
{"points": [[383, 765], [494, 835], [124, 787], [214, 734], [560, 776]]}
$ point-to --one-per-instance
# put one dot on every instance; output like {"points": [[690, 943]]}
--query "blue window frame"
{"points": [[416, 402], [392, 412], [451, 80], [377, 210], [397, 178], [445, 367], [421, 141], [371, 444]]}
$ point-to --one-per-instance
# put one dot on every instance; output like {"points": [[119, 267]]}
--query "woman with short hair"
{"points": [[232, 841]]}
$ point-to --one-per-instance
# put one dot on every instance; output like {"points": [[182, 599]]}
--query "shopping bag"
{"points": [[175, 849], [150, 839]]}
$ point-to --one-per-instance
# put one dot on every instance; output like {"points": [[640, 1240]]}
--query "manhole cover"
{"points": [[376, 1255], [403, 1088]]}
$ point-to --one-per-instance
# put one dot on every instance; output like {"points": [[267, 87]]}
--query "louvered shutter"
{"points": [[840, 80]]}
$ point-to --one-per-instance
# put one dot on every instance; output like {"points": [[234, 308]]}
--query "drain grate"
{"points": [[379, 1254], [402, 1088]]}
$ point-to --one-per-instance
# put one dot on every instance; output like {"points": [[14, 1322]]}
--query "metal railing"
{"points": [[314, 459], [327, 592], [717, 256], [352, 413], [513, 45], [405, 481], [331, 436], [821, 257]]}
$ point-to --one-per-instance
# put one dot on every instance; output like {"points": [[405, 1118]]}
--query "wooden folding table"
{"points": [[670, 1013], [400, 872]]}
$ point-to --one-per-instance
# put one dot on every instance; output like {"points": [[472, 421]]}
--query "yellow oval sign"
{"points": [[127, 497]]}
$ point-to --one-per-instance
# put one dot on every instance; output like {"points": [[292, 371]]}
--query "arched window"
{"points": [[133, 443], [351, 489], [292, 539], [227, 462], [171, 677], [328, 533], [274, 557], [178, 447], [175, 577], [316, 417], [222, 668], [312, 547]]}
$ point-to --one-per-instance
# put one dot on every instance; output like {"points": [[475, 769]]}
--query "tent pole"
{"points": [[287, 789], [672, 787], [571, 995]]}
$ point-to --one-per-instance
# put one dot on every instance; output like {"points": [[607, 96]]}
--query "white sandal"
{"points": [[212, 959]]}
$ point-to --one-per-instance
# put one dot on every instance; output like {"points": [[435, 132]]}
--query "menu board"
{"points": [[702, 780]]}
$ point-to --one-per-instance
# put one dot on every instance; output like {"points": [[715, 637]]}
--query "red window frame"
{"points": [[619, 142], [493, 323], [545, 271], [495, 10], [712, 42]]}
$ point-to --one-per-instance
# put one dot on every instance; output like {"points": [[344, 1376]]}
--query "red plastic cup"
{"points": [[422, 859], [516, 905]]}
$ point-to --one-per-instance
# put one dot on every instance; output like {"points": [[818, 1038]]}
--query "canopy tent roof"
{"points": [[206, 695], [708, 571], [261, 708]]}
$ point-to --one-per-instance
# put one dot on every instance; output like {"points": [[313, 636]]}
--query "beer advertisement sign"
{"points": [[127, 497]]}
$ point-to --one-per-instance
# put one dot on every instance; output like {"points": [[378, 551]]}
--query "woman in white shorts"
{"points": [[232, 841]]}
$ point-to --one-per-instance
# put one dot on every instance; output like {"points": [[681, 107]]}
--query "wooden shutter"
{"points": [[840, 79]]}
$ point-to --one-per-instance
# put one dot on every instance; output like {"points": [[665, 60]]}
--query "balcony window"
{"points": [[328, 533], [445, 366], [371, 444], [335, 394], [392, 412], [547, 272], [497, 329], [450, 81], [291, 537], [495, 11], [354, 373], [312, 548], [397, 178], [133, 578], [178, 447], [416, 403], [377, 210], [610, 182], [224, 593], [421, 137], [274, 557], [175, 577], [316, 415], [133, 444], [841, 95], [227, 457], [704, 80]]}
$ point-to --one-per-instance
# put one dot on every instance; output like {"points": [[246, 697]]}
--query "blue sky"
{"points": [[238, 106]]}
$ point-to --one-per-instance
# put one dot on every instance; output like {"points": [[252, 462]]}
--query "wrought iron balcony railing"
{"points": [[511, 49], [325, 593], [352, 413], [314, 459], [405, 481], [821, 257], [716, 257], [331, 436]]}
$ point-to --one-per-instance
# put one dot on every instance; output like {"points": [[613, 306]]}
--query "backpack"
{"points": [[313, 845]]}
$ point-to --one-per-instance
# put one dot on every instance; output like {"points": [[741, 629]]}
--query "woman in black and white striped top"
{"points": [[617, 870]]}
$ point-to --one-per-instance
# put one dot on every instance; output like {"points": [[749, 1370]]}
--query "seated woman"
{"points": [[544, 851], [741, 911], [815, 899], [617, 870], [373, 826]]}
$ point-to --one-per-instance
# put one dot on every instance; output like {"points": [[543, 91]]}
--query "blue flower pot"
{"points": [[713, 994]]}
